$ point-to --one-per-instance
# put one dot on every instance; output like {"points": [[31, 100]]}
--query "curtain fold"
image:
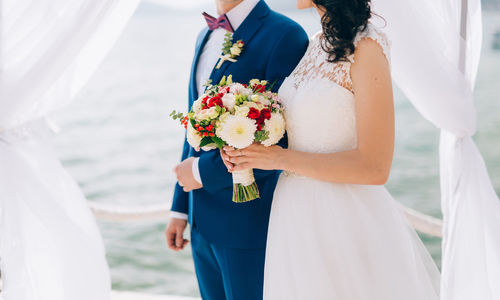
{"points": [[49, 49], [50, 246], [426, 54]]}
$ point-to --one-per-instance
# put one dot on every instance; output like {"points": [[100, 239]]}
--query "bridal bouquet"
{"points": [[237, 115]]}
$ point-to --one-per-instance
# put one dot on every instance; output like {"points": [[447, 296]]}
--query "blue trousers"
{"points": [[227, 273]]}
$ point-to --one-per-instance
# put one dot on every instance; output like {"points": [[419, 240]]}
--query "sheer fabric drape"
{"points": [[50, 246], [426, 56]]}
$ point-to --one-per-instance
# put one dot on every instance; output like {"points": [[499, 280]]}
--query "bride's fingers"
{"points": [[232, 154], [224, 156], [238, 160], [225, 160], [242, 167], [236, 153]]}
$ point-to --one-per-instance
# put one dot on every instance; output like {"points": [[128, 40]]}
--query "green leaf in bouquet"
{"points": [[208, 83], [176, 115], [261, 136], [205, 141], [240, 99], [222, 81], [219, 142], [272, 85]]}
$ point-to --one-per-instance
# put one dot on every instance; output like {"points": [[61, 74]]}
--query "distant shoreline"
{"points": [[151, 7]]}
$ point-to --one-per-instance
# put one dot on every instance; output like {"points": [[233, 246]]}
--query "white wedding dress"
{"points": [[337, 241]]}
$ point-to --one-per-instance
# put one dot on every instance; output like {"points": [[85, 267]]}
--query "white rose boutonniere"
{"points": [[230, 50]]}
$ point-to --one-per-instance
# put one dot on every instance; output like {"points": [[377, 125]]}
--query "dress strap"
{"points": [[374, 33]]}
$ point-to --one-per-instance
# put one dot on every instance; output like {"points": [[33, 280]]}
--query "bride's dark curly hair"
{"points": [[342, 21]]}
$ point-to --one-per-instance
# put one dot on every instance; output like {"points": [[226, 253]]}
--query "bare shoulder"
{"points": [[370, 70], [369, 51]]}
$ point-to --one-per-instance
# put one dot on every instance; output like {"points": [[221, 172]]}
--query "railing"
{"points": [[118, 213]]}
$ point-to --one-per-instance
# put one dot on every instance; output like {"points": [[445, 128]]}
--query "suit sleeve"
{"points": [[180, 202], [284, 57]]}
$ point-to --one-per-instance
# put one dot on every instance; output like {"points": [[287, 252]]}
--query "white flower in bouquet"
{"points": [[251, 104], [255, 98], [239, 89], [254, 82], [207, 114], [238, 131], [259, 99], [193, 136], [197, 105], [276, 128], [229, 100], [265, 101], [222, 119], [242, 111]]}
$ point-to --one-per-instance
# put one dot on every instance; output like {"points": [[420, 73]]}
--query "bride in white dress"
{"points": [[335, 232]]}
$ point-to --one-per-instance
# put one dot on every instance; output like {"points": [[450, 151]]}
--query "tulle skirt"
{"points": [[343, 242]]}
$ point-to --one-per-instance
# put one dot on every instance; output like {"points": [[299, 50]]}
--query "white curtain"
{"points": [[428, 52], [50, 246]]}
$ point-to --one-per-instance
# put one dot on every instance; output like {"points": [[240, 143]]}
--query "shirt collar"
{"points": [[239, 13]]}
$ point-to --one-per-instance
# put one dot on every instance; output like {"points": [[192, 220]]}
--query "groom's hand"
{"points": [[184, 172], [175, 234]]}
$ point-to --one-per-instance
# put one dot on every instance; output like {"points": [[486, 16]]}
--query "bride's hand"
{"points": [[255, 156]]}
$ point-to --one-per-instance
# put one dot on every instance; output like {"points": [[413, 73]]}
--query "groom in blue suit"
{"points": [[229, 239]]}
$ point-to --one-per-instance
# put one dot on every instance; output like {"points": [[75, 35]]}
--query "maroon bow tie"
{"points": [[221, 22]]}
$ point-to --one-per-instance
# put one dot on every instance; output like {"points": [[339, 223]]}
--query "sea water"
{"points": [[119, 143]]}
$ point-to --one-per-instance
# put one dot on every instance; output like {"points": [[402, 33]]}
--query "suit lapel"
{"points": [[245, 32], [194, 90]]}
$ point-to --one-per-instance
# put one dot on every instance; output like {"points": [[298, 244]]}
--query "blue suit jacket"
{"points": [[274, 45]]}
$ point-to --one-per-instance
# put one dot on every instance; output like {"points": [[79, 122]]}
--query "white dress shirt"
{"points": [[209, 57]]}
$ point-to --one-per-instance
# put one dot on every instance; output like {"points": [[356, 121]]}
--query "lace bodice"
{"points": [[319, 101]]}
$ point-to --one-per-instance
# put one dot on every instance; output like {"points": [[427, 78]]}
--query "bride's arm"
{"points": [[370, 163]]}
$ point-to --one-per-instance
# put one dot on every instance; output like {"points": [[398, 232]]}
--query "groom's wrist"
{"points": [[178, 215]]}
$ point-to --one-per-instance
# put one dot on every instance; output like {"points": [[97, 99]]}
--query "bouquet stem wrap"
{"points": [[244, 186]]}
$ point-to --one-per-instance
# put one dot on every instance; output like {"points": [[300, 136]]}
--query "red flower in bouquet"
{"points": [[253, 113], [217, 100], [265, 113], [259, 88]]}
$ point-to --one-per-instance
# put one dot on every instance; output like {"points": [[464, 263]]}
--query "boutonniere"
{"points": [[230, 50]]}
